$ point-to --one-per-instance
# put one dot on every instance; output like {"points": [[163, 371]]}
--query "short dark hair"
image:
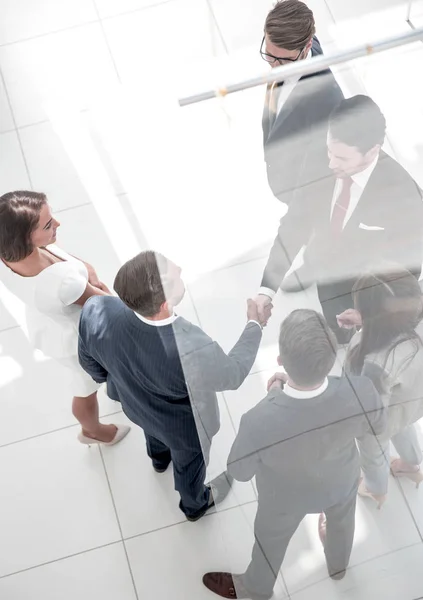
{"points": [[138, 283], [307, 347], [290, 25], [19, 217], [358, 122]]}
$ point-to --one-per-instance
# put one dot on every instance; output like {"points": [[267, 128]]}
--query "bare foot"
{"points": [[104, 433]]}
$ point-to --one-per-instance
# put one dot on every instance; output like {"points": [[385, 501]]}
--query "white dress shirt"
{"points": [[285, 90], [360, 181], [159, 323], [172, 319], [305, 394]]}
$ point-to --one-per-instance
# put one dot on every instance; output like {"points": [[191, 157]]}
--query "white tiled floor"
{"points": [[92, 88]]}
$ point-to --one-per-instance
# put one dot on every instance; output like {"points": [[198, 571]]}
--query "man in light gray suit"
{"points": [[300, 444], [165, 371]]}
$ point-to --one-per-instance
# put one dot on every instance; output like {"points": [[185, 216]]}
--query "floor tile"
{"points": [[35, 392], [102, 573], [412, 497], [55, 501], [220, 298], [141, 60], [6, 120], [378, 533], [13, 174], [392, 576], [92, 236], [145, 500], [342, 11], [42, 17], [68, 68], [110, 8], [61, 184], [218, 542]]}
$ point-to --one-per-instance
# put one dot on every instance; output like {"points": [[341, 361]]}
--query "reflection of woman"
{"points": [[389, 350], [54, 286]]}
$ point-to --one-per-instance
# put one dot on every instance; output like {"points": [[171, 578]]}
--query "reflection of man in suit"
{"points": [[299, 443], [370, 211], [296, 110]]}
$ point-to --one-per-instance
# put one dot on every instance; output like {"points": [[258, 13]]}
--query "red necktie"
{"points": [[341, 206]]}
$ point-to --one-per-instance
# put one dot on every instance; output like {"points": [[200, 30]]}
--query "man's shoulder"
{"points": [[353, 387], [391, 171], [189, 336], [102, 307]]}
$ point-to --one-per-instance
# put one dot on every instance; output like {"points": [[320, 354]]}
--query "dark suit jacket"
{"points": [[391, 201], [295, 148], [165, 377], [303, 451]]}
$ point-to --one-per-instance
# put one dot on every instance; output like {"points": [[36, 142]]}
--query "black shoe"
{"points": [[219, 489], [202, 512], [160, 468]]}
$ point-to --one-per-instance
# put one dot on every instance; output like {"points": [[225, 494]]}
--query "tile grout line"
{"points": [[52, 562], [12, 113], [184, 521], [106, 41], [216, 22], [38, 435], [119, 524], [121, 541], [365, 562]]}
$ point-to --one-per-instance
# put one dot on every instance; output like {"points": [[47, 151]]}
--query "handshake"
{"points": [[259, 309]]}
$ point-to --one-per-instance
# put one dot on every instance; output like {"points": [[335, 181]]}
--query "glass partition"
{"points": [[245, 194]]}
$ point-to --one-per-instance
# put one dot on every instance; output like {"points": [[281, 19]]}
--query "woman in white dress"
{"points": [[53, 286]]}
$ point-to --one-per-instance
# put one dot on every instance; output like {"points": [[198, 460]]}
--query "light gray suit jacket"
{"points": [[207, 370]]}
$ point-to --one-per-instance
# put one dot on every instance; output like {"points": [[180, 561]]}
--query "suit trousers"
{"points": [[273, 530], [189, 471], [375, 461]]}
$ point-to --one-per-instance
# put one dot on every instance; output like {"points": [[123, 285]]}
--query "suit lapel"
{"points": [[292, 102]]}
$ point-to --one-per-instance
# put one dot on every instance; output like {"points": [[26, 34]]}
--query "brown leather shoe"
{"points": [[223, 585]]}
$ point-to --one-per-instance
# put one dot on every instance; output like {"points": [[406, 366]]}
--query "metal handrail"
{"points": [[307, 67]]}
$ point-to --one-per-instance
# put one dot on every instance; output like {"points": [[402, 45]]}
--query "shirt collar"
{"points": [[298, 77], [160, 323], [363, 177], [305, 394]]}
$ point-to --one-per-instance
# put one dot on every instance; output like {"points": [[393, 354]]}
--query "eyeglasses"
{"points": [[272, 59]]}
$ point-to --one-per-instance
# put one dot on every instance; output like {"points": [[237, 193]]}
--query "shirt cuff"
{"points": [[264, 291], [256, 322]]}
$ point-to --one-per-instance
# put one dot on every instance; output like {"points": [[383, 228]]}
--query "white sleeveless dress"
{"points": [[52, 317]]}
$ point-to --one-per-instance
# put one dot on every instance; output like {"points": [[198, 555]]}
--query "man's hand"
{"points": [[264, 308], [349, 319], [254, 314], [277, 381]]}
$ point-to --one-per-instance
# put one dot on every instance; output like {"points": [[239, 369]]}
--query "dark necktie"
{"points": [[341, 207]]}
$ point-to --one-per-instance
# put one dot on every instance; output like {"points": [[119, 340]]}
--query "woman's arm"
{"points": [[89, 291], [93, 278]]}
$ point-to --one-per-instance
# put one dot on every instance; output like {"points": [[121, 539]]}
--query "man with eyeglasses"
{"points": [[296, 110]]}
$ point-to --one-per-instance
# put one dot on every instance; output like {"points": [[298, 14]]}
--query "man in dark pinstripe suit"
{"points": [[165, 371]]}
